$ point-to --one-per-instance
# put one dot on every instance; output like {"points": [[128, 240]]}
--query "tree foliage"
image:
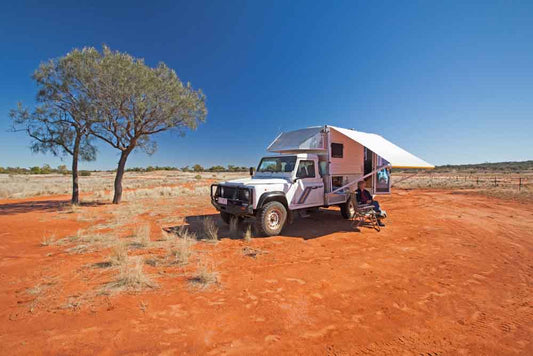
{"points": [[135, 101], [60, 122], [109, 95]]}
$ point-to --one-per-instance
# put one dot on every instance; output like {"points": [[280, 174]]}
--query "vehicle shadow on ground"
{"points": [[317, 224], [40, 206]]}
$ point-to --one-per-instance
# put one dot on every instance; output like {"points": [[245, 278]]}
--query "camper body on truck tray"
{"points": [[313, 167]]}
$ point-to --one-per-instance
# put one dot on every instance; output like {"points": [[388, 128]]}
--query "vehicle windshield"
{"points": [[277, 164]]}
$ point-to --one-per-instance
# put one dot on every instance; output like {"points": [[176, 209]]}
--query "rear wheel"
{"points": [[348, 208], [271, 218]]}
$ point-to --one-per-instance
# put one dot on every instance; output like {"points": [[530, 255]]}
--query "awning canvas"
{"points": [[396, 156]]}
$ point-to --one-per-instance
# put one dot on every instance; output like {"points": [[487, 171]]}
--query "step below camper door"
{"points": [[382, 179]]}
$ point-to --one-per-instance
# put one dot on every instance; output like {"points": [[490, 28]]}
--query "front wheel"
{"points": [[271, 218]]}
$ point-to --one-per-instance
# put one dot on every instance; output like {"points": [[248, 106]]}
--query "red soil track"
{"points": [[450, 274]]}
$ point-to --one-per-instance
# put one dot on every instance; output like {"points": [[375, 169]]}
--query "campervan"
{"points": [[311, 168]]}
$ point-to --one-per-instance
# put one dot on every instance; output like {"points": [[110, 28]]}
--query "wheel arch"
{"points": [[273, 196]]}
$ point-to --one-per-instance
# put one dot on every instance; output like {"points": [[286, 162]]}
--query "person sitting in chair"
{"points": [[364, 197]]}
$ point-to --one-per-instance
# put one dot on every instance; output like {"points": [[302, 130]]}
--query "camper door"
{"points": [[382, 179]]}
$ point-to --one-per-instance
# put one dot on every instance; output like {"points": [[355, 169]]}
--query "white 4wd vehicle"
{"points": [[280, 185], [315, 167]]}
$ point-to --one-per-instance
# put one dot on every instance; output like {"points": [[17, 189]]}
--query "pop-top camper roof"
{"points": [[311, 140]]}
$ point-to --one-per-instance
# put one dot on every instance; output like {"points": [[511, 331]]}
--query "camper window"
{"points": [[306, 169], [336, 182], [337, 150]]}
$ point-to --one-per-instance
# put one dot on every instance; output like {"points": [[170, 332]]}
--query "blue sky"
{"points": [[451, 82]]}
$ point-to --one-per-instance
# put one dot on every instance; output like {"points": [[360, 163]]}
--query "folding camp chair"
{"points": [[365, 215]]}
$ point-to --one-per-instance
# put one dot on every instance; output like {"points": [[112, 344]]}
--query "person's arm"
{"points": [[368, 196], [358, 196]]}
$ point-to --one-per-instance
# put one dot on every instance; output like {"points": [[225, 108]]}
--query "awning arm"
{"points": [[363, 177]]}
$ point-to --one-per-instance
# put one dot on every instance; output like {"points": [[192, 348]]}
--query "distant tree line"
{"points": [[44, 169], [510, 167], [195, 168], [522, 166], [62, 169], [89, 95]]}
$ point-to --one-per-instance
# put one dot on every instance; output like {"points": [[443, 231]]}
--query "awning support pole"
{"points": [[359, 179]]}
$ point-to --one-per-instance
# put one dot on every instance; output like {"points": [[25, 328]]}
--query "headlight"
{"points": [[221, 191], [246, 194]]}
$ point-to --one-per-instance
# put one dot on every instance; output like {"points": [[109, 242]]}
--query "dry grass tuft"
{"points": [[131, 277], [119, 254], [183, 233], [165, 236], [233, 225], [35, 290], [141, 234], [143, 306], [103, 196], [74, 209], [86, 214], [78, 249], [210, 230], [181, 250], [87, 242], [73, 303], [204, 277], [248, 235], [48, 240]]}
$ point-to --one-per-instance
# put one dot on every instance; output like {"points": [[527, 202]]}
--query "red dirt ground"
{"points": [[452, 273]]}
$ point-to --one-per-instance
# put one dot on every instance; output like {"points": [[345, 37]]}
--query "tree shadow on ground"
{"points": [[41, 206], [320, 223]]}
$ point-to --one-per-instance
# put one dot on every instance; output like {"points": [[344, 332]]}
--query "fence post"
{"points": [[495, 182], [519, 183], [477, 180]]}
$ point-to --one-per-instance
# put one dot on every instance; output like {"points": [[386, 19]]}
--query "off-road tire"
{"points": [[348, 208], [271, 218]]}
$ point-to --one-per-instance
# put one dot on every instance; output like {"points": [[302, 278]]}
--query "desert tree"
{"points": [[135, 101], [60, 121]]}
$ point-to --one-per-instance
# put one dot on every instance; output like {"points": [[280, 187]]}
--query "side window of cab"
{"points": [[306, 169]]}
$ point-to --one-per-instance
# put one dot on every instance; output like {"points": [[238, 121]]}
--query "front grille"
{"points": [[228, 192], [233, 193]]}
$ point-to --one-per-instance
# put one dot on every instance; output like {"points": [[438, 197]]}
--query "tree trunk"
{"points": [[75, 200], [117, 197]]}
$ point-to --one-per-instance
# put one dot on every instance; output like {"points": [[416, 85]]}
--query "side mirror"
{"points": [[251, 171]]}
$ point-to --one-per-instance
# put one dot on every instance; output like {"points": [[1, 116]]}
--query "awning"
{"points": [[397, 157]]}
